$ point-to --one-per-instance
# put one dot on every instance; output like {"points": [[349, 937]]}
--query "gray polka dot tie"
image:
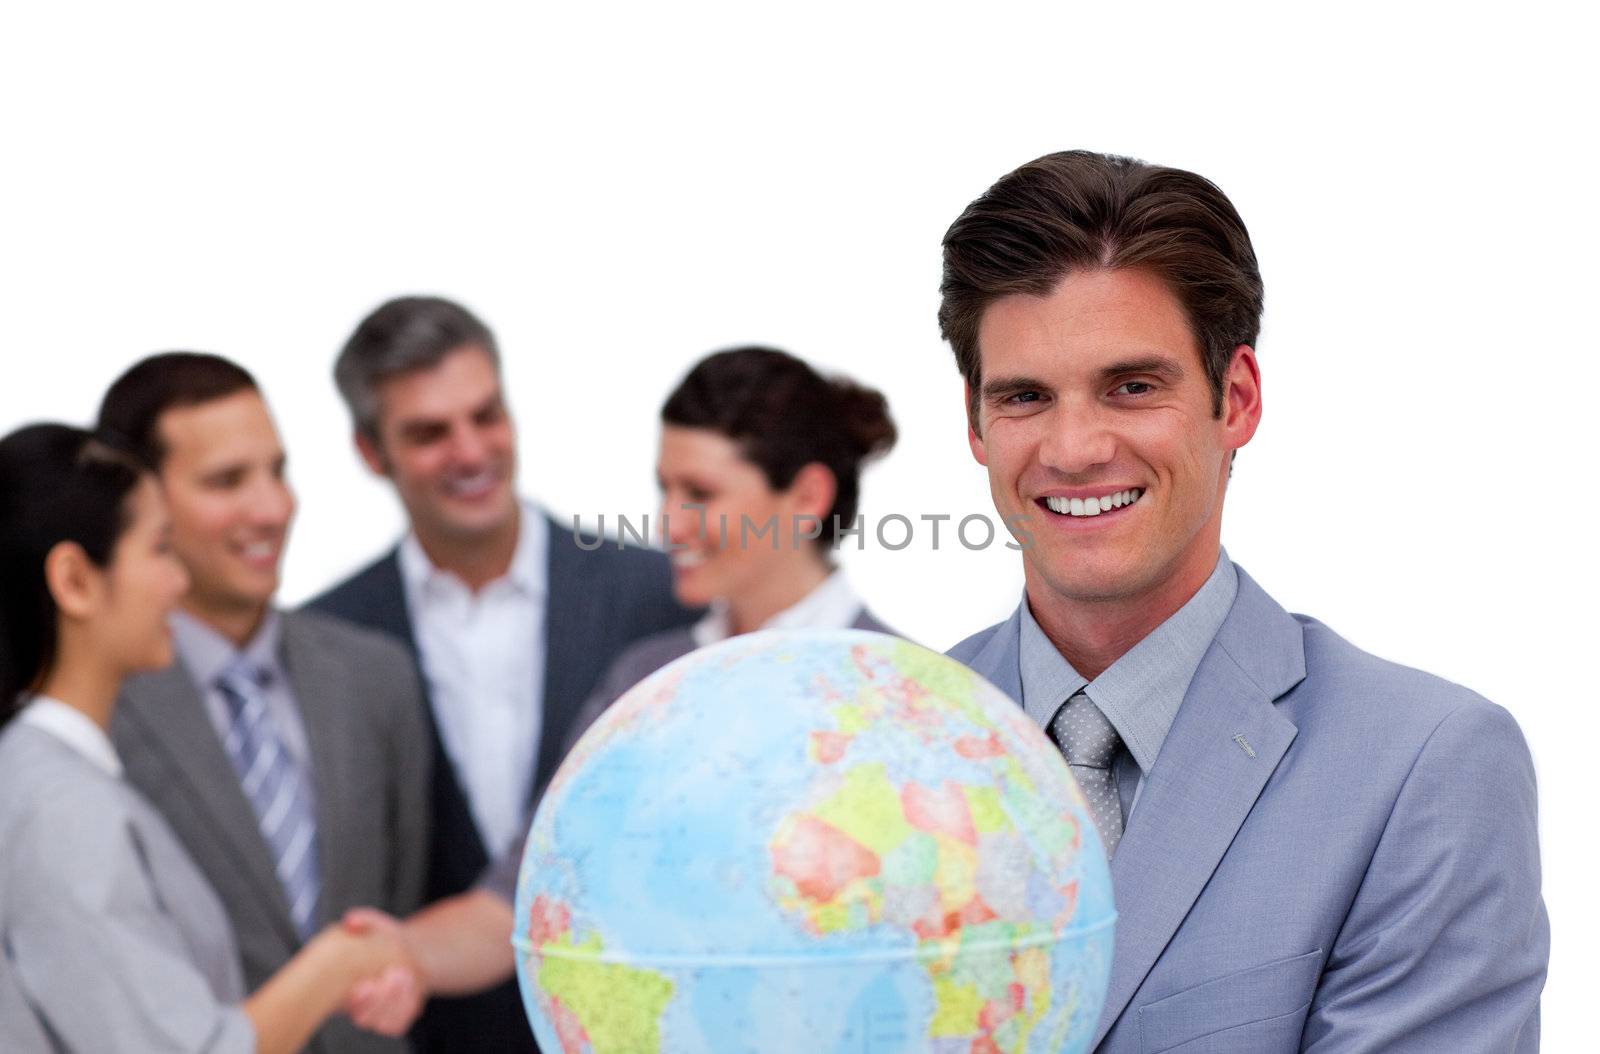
{"points": [[1090, 744]]}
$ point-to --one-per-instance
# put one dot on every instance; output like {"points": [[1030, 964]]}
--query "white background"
{"points": [[618, 191]]}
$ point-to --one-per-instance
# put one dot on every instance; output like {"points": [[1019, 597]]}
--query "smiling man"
{"points": [[1312, 849], [286, 749], [511, 620]]}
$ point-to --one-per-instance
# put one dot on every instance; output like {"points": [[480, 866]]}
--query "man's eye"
{"points": [[1135, 387], [1023, 397]]}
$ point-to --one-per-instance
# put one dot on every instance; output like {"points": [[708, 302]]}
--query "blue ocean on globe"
{"points": [[829, 841]]}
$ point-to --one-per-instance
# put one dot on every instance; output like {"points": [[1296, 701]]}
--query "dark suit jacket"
{"points": [[361, 704], [599, 599]]}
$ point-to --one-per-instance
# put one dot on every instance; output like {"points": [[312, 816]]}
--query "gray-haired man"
{"points": [[512, 621]]}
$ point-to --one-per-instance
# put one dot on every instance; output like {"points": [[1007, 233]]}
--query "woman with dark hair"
{"points": [[758, 451], [109, 935]]}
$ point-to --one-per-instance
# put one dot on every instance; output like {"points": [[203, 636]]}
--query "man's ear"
{"points": [[974, 440], [1241, 398], [75, 583], [372, 454]]}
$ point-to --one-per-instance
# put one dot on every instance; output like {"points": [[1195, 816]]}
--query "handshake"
{"points": [[458, 946], [389, 988]]}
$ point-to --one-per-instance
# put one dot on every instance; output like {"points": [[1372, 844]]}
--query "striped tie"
{"points": [[278, 791]]}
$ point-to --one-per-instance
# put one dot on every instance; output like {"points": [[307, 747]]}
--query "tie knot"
{"points": [[1084, 734], [242, 680]]}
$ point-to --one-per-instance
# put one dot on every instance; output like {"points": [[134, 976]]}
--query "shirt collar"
{"points": [[832, 604], [208, 654], [75, 729], [528, 572], [1141, 692]]}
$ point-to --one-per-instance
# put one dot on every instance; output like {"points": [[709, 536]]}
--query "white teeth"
{"points": [[1094, 506], [470, 486], [688, 559]]}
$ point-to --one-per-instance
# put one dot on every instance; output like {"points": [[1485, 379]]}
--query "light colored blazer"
{"points": [[371, 761], [1331, 853], [113, 941], [20, 1030]]}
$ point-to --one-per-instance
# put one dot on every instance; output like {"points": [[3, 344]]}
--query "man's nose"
{"points": [[1078, 438], [467, 445], [272, 503]]}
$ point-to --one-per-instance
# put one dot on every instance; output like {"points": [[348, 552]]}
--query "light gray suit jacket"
{"points": [[112, 940], [1331, 853], [20, 1031], [370, 757]]}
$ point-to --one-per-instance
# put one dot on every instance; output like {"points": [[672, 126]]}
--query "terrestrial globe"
{"points": [[813, 841]]}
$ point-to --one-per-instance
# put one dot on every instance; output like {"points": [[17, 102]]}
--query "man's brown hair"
{"points": [[1078, 210], [130, 411]]}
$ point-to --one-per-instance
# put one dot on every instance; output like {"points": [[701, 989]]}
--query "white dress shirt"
{"points": [[74, 728], [483, 656], [831, 605]]}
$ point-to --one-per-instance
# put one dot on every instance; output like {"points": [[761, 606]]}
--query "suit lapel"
{"points": [[321, 687], [571, 626], [999, 660], [1222, 749], [171, 714], [389, 613]]}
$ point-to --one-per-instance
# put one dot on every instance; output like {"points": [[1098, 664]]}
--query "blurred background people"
{"points": [[750, 435], [511, 617], [754, 438], [111, 939], [288, 750]]}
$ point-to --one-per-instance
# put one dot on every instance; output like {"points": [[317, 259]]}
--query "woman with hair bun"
{"points": [[758, 450], [110, 938]]}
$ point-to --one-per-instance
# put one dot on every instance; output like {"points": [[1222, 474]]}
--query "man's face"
{"points": [[223, 476], [446, 441], [1097, 392]]}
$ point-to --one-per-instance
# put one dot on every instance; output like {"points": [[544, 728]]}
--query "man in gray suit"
{"points": [[287, 750], [1312, 849]]}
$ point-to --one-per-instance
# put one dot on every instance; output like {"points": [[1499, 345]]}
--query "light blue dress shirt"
{"points": [[205, 653], [1139, 693]]}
